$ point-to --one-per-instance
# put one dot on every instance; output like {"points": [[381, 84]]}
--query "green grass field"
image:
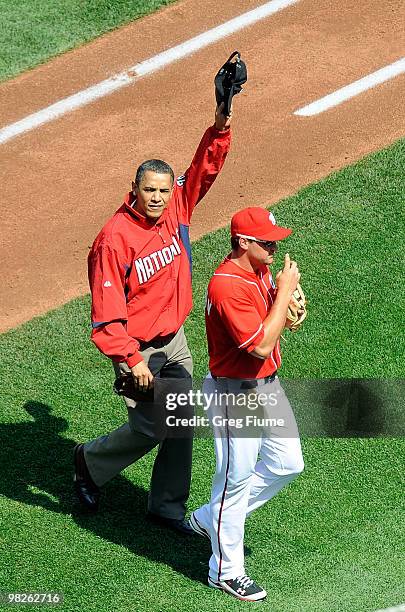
{"points": [[32, 31], [330, 542]]}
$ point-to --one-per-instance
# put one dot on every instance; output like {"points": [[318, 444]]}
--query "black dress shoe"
{"points": [[86, 489], [179, 525]]}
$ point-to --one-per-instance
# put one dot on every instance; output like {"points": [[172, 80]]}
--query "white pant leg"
{"points": [[203, 516], [280, 462], [224, 517], [280, 457]]}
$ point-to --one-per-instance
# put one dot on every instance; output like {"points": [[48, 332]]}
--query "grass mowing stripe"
{"points": [[33, 31], [329, 541]]}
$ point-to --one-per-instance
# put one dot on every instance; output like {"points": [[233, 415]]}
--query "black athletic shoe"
{"points": [[86, 490], [197, 528], [241, 587], [179, 525]]}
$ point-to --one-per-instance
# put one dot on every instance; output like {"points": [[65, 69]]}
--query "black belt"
{"points": [[249, 383], [156, 342]]}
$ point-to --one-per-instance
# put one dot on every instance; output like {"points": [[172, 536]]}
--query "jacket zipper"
{"points": [[160, 234]]}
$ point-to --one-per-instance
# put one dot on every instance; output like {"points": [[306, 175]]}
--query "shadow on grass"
{"points": [[37, 470]]}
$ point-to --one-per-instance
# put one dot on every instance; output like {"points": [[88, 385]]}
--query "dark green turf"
{"points": [[33, 31], [330, 542]]}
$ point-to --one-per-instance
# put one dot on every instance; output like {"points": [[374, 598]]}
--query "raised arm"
{"points": [[206, 165]]}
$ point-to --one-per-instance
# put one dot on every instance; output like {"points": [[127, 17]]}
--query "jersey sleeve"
{"points": [[242, 321], [205, 167], [108, 306]]}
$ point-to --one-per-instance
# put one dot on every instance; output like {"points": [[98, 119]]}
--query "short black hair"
{"points": [[154, 165], [235, 243]]}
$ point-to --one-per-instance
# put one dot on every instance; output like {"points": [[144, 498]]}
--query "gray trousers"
{"points": [[168, 358]]}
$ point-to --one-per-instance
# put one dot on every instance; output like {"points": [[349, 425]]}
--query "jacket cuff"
{"points": [[134, 359], [219, 133]]}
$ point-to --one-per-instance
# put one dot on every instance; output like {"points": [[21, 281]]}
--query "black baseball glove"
{"points": [[229, 80], [124, 385]]}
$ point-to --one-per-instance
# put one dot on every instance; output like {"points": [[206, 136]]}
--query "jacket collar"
{"points": [[138, 217]]}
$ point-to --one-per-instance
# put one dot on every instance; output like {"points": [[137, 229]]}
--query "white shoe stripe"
{"points": [[195, 525]]}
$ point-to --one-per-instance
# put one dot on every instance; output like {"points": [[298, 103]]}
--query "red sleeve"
{"points": [[108, 306], [242, 321], [205, 167]]}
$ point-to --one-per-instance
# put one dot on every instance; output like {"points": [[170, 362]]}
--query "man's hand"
{"points": [[143, 377], [222, 122], [288, 277], [287, 280]]}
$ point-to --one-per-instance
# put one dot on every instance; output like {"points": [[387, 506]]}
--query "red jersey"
{"points": [[140, 271], [238, 301]]}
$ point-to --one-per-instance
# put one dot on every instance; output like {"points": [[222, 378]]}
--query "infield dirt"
{"points": [[61, 181]]}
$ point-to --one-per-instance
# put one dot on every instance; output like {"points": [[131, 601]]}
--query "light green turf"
{"points": [[330, 542], [33, 31]]}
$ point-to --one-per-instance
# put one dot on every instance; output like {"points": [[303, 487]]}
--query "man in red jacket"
{"points": [[140, 281]]}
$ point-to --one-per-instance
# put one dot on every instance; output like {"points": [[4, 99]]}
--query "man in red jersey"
{"points": [[140, 280], [248, 409]]}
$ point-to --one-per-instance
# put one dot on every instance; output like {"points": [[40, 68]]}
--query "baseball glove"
{"points": [[229, 80], [124, 385], [297, 310]]}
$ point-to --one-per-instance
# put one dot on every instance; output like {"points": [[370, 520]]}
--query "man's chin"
{"points": [[154, 214]]}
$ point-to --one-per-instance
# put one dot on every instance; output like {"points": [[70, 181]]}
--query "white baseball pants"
{"points": [[249, 470]]}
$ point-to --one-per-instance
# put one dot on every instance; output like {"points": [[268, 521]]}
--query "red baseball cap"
{"points": [[255, 222]]}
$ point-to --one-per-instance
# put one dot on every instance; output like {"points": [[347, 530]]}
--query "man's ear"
{"points": [[243, 243]]}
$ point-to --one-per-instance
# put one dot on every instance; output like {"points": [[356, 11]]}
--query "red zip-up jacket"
{"points": [[140, 272]]}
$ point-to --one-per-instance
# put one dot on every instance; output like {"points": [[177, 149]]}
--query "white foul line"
{"points": [[400, 608], [349, 91], [148, 66]]}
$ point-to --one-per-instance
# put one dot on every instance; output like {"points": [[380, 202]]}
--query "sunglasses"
{"points": [[268, 244]]}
